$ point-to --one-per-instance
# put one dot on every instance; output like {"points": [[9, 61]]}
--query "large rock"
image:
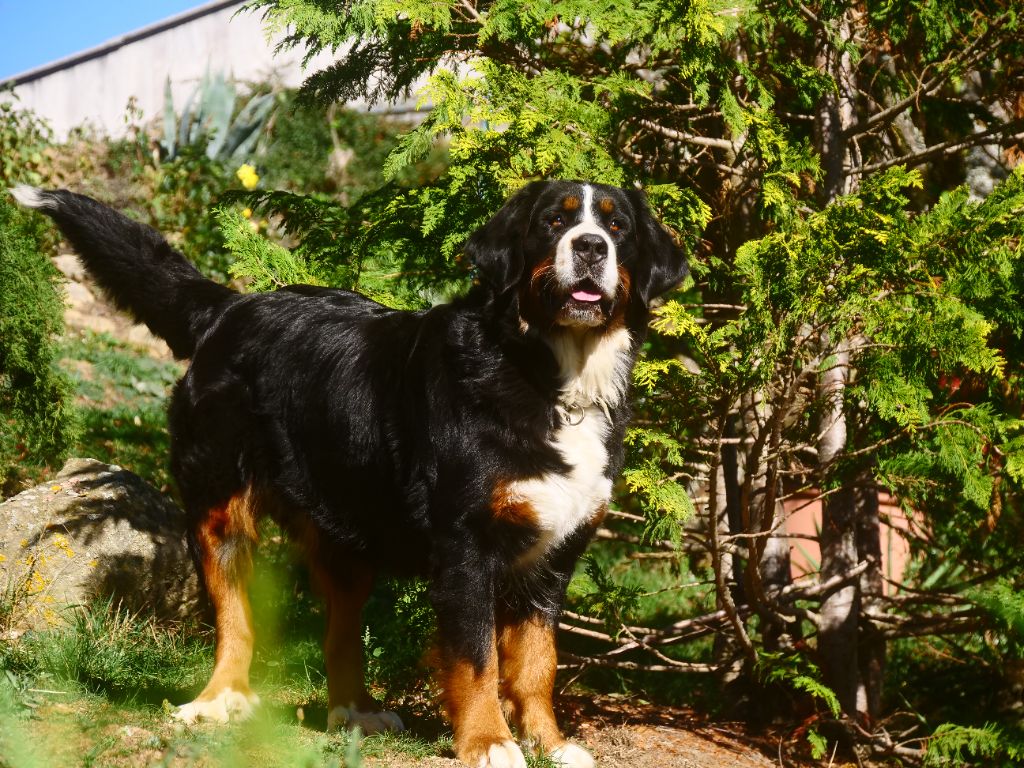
{"points": [[95, 532]]}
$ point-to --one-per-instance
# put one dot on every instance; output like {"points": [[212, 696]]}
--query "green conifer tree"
{"points": [[840, 174]]}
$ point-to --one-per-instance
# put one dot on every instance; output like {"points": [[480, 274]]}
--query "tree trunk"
{"points": [[836, 112], [767, 568], [726, 649], [840, 611], [871, 653], [837, 637]]}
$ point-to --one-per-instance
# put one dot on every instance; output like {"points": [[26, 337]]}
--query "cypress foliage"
{"points": [[813, 159]]}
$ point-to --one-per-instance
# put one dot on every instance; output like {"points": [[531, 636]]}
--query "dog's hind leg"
{"points": [[349, 703], [224, 538]]}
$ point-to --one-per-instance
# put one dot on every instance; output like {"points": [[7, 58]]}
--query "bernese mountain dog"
{"points": [[473, 443]]}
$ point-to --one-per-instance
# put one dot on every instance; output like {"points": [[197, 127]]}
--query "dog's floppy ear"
{"points": [[661, 264], [497, 247]]}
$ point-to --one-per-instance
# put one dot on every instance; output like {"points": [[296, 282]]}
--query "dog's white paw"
{"points": [[571, 755], [368, 722], [226, 706], [505, 754]]}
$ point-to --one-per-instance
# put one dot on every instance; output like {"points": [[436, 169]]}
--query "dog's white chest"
{"points": [[564, 501]]}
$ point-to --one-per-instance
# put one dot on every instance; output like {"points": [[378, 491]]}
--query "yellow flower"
{"points": [[248, 176], [247, 213]]}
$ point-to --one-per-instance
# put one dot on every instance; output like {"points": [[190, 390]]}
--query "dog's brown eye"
{"points": [[615, 225], [556, 221]]}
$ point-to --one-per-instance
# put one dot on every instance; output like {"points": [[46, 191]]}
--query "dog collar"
{"points": [[573, 414]]}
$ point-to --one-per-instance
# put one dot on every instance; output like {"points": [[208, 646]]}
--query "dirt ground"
{"points": [[90, 732], [623, 734]]}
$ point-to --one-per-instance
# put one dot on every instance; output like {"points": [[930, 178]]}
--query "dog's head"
{"points": [[576, 254]]}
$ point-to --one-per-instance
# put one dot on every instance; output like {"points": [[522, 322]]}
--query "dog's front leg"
{"points": [[463, 599], [528, 662]]}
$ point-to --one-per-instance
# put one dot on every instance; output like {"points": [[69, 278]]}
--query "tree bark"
{"points": [[836, 112], [837, 637], [871, 650]]}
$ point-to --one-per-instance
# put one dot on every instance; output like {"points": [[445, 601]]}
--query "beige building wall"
{"points": [[95, 86]]}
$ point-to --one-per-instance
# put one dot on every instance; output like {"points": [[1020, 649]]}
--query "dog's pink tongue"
{"points": [[586, 296]]}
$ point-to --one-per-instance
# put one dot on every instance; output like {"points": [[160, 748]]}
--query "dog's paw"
{"points": [[570, 755], [368, 722], [501, 754], [226, 706]]}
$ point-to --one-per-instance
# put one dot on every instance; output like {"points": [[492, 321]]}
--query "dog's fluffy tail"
{"points": [[135, 267]]}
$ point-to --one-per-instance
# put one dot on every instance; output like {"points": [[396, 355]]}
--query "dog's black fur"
{"points": [[386, 433]]}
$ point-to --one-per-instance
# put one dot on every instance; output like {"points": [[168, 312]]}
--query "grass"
{"points": [[121, 404], [106, 651]]}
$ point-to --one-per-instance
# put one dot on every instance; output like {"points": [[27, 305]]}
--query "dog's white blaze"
{"points": [[565, 262], [564, 502], [594, 366]]}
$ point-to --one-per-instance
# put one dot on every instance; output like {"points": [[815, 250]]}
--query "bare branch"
{"points": [[470, 9], [598, 661], [946, 148], [687, 138], [948, 69]]}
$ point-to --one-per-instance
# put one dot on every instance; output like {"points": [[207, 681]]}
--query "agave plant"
{"points": [[209, 115]]}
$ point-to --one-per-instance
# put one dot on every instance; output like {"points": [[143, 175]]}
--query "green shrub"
{"points": [[23, 142], [36, 417], [331, 150]]}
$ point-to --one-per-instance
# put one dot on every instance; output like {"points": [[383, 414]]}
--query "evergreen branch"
{"points": [[874, 447], [699, 626]]}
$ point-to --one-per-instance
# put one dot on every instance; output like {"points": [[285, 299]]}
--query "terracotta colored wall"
{"points": [[804, 517]]}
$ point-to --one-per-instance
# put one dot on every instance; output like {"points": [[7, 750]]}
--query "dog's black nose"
{"points": [[592, 249]]}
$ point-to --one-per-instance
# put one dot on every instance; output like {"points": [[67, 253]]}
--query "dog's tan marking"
{"points": [[470, 699], [344, 586], [225, 538], [509, 507], [570, 203], [526, 652], [344, 596], [606, 204]]}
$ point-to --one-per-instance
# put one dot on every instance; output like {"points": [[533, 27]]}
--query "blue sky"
{"points": [[36, 32]]}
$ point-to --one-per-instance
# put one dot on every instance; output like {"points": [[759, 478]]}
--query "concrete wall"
{"points": [[95, 86]]}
